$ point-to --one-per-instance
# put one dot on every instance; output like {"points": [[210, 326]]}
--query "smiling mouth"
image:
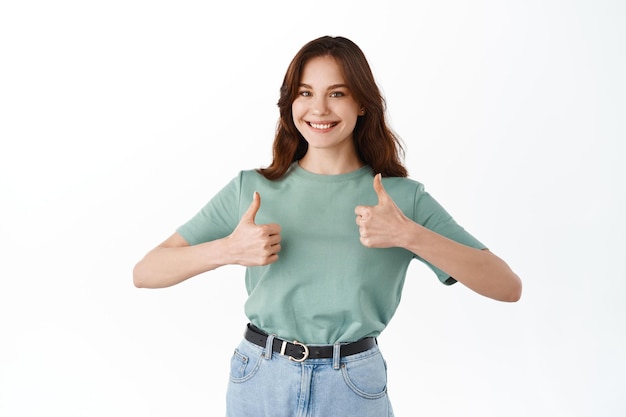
{"points": [[322, 126]]}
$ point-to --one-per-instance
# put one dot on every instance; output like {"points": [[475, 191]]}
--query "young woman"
{"points": [[326, 232]]}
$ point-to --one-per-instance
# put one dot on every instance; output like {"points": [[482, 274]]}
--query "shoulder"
{"points": [[246, 175], [403, 184], [405, 192], [251, 180], [240, 181]]}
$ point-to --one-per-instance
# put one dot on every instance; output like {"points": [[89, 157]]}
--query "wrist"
{"points": [[217, 253], [411, 235]]}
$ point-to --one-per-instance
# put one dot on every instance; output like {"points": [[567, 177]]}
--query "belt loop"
{"points": [[336, 355], [269, 344]]}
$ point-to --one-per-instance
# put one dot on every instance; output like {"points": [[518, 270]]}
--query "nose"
{"points": [[319, 106]]}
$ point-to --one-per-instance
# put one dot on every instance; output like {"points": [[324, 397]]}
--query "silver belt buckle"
{"points": [[291, 358]]}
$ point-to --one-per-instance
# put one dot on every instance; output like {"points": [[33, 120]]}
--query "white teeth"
{"points": [[322, 126]]}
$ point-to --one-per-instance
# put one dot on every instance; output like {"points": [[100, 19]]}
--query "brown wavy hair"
{"points": [[376, 144]]}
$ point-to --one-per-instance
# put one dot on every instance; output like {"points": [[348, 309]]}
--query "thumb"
{"points": [[383, 197], [253, 209]]}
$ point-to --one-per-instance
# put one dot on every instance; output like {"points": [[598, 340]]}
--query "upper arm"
{"points": [[174, 241]]}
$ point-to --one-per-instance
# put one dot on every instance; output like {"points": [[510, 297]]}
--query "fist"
{"points": [[254, 244], [381, 226]]}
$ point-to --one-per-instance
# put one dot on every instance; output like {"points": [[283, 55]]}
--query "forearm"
{"points": [[166, 266], [479, 270]]}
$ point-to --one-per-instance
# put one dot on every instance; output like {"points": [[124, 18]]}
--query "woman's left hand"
{"points": [[381, 226], [384, 225]]}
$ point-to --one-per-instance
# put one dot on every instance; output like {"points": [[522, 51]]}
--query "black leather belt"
{"points": [[299, 352]]}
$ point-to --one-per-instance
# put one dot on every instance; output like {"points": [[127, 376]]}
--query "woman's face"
{"points": [[324, 110]]}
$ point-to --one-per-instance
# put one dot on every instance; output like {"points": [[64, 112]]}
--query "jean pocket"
{"points": [[367, 377], [244, 365]]}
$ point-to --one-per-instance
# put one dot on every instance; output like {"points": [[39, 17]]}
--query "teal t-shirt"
{"points": [[326, 287]]}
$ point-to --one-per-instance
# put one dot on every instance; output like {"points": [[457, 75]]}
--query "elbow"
{"points": [[139, 278], [507, 289], [514, 291], [144, 276], [513, 296]]}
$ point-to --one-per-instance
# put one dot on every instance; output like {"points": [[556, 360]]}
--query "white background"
{"points": [[120, 119]]}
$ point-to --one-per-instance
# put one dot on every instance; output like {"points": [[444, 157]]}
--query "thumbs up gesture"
{"points": [[252, 244], [381, 226]]}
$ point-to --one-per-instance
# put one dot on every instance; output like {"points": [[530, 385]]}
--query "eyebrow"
{"points": [[332, 87]]}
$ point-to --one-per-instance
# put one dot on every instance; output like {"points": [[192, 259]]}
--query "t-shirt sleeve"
{"points": [[218, 218], [430, 214]]}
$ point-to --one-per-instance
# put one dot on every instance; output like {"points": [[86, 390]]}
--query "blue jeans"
{"points": [[266, 384]]}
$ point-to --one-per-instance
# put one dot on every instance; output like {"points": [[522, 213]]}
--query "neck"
{"points": [[320, 162]]}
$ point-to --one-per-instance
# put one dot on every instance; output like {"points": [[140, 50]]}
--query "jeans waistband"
{"points": [[299, 352]]}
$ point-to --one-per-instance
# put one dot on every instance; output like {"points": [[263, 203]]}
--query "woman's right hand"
{"points": [[174, 260], [252, 244]]}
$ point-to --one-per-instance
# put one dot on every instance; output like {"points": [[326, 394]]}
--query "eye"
{"points": [[337, 94], [304, 93]]}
